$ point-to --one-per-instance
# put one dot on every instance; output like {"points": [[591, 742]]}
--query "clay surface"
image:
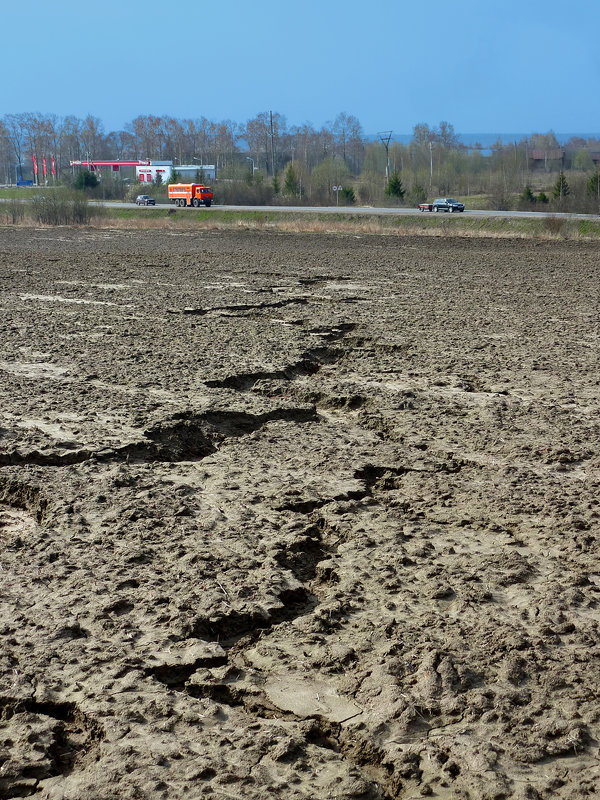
{"points": [[298, 517]]}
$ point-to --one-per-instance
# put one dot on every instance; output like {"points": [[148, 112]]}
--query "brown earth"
{"points": [[298, 517]]}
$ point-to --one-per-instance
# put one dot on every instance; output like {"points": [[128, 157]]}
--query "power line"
{"points": [[384, 137]]}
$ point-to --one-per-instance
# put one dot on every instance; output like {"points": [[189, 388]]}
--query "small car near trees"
{"points": [[145, 200]]}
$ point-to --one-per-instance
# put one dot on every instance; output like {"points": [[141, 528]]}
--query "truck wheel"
{"points": [[181, 202], [195, 202]]}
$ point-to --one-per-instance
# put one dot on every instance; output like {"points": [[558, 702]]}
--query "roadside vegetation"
{"points": [[59, 206], [267, 161], [67, 207]]}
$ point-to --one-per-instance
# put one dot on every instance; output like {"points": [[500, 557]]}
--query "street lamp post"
{"points": [[200, 171], [249, 158]]}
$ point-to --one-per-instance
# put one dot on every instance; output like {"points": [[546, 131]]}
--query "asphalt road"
{"points": [[354, 210], [357, 210]]}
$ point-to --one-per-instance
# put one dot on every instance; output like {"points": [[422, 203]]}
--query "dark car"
{"points": [[447, 204], [145, 200]]}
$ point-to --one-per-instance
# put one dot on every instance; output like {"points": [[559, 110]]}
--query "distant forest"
{"points": [[266, 160]]}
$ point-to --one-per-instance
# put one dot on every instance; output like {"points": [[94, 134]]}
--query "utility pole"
{"points": [[272, 146], [430, 164], [385, 137]]}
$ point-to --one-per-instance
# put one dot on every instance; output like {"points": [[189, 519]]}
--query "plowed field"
{"points": [[298, 516]]}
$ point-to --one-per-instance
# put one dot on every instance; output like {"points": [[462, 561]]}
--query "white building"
{"points": [[187, 172]]}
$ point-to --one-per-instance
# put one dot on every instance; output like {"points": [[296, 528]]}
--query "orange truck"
{"points": [[190, 194]]}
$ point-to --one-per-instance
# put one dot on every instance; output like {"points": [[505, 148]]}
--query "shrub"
{"points": [[86, 180], [348, 196], [159, 193], [14, 210], [240, 192], [61, 207], [133, 192], [554, 224], [500, 199], [542, 198], [417, 194]]}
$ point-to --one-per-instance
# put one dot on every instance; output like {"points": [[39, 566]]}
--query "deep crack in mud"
{"points": [[301, 517]]}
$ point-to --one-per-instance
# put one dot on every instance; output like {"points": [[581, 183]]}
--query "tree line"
{"points": [[265, 159]]}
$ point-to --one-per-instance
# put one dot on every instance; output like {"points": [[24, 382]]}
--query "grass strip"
{"points": [[446, 226]]}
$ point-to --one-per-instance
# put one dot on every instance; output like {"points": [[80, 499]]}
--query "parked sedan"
{"points": [[145, 200]]}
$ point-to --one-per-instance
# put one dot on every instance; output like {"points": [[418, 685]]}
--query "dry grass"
{"points": [[546, 228], [502, 228]]}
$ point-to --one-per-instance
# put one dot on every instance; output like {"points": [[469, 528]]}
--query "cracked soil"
{"points": [[299, 517]]}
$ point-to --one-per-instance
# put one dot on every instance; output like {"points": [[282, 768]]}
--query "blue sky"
{"points": [[525, 66]]}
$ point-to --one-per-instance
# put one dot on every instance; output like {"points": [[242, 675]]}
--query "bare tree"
{"points": [[146, 130], [7, 159], [423, 134], [446, 136], [15, 129], [227, 134], [69, 142], [92, 136], [263, 133], [348, 137]]}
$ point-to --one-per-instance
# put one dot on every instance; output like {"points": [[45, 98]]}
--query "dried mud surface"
{"points": [[298, 517]]}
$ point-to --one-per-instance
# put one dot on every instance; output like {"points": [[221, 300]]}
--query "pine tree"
{"points": [[528, 196], [349, 195], [593, 185], [86, 180], [394, 186], [290, 182], [561, 187]]}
